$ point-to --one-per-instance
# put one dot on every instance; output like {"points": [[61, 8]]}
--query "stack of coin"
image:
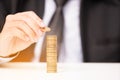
{"points": [[51, 51]]}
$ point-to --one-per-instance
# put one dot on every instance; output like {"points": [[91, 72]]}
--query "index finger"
{"points": [[34, 16]]}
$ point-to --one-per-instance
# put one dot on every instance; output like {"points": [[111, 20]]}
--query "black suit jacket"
{"points": [[100, 25]]}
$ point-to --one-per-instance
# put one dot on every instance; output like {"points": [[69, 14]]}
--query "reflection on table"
{"points": [[69, 71]]}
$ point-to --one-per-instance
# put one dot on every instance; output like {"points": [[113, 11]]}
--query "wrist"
{"points": [[4, 59]]}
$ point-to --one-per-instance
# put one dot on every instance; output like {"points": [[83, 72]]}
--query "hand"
{"points": [[19, 32]]}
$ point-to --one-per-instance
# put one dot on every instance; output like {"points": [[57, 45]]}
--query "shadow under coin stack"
{"points": [[51, 51]]}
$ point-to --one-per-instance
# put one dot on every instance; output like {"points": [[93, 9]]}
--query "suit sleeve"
{"points": [[113, 2], [3, 14], [5, 9]]}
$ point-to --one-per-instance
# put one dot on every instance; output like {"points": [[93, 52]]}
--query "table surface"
{"points": [[69, 71]]}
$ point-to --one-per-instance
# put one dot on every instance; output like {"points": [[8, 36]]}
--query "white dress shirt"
{"points": [[71, 49]]}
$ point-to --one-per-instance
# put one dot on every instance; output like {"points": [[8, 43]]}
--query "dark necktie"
{"points": [[56, 24]]}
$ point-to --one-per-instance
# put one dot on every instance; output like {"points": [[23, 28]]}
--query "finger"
{"points": [[35, 17], [19, 34], [29, 21], [9, 17], [26, 29]]}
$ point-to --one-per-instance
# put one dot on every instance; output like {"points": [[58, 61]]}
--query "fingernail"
{"points": [[42, 24]]}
